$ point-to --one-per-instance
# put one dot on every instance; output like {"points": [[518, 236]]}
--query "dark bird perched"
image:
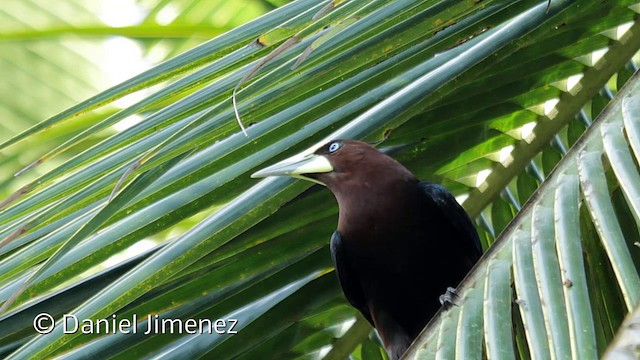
{"points": [[400, 242]]}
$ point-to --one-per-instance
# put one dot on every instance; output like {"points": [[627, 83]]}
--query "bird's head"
{"points": [[341, 165]]}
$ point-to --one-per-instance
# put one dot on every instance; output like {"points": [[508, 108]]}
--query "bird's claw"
{"points": [[449, 297]]}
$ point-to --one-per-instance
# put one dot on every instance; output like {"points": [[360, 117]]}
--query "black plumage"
{"points": [[400, 242]]}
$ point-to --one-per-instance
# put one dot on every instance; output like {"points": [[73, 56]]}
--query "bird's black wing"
{"points": [[453, 212], [347, 278]]}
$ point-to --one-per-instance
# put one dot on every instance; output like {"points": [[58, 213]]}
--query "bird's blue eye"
{"points": [[333, 147]]}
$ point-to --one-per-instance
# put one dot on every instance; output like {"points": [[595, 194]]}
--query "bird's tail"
{"points": [[397, 346], [395, 339]]}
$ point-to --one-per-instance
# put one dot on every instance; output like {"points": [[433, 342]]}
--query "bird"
{"points": [[401, 244]]}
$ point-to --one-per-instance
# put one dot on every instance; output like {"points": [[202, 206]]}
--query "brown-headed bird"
{"points": [[401, 243]]}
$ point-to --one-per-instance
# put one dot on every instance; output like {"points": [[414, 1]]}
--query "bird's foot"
{"points": [[449, 297]]}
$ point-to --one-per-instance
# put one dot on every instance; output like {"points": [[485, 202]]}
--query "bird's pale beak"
{"points": [[297, 166]]}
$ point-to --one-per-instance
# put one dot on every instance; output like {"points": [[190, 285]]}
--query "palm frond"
{"points": [[459, 85]]}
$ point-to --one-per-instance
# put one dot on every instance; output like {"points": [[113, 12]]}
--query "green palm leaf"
{"points": [[543, 249], [456, 83]]}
